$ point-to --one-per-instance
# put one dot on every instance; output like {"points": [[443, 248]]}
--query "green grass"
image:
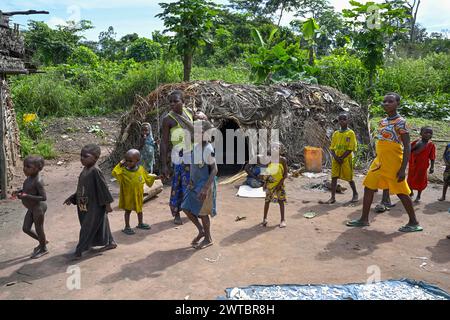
{"points": [[43, 148]]}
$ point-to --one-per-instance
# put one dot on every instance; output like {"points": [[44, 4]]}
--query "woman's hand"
{"points": [[401, 175]]}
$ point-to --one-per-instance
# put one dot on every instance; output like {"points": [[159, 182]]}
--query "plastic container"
{"points": [[313, 159]]}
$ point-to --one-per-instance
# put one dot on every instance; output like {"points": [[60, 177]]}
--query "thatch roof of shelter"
{"points": [[305, 114]]}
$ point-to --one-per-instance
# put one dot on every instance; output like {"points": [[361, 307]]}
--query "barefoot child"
{"points": [[131, 177], [387, 171], [423, 152], [33, 198], [93, 201], [275, 174], [343, 144], [147, 147], [446, 173], [200, 200]]}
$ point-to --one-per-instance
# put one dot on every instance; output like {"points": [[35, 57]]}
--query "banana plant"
{"points": [[310, 30]]}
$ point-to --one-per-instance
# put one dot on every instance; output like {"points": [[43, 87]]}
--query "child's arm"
{"points": [[338, 159], [351, 147], [104, 196], [41, 195], [71, 200], [117, 171], [149, 178], [346, 154], [285, 173], [213, 172], [432, 157]]}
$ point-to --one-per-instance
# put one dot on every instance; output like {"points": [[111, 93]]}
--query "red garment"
{"points": [[418, 166]]}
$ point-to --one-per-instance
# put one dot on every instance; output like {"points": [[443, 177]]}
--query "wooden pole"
{"points": [[3, 164]]}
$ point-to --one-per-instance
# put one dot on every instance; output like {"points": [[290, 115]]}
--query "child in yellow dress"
{"points": [[343, 144], [131, 177], [274, 176]]}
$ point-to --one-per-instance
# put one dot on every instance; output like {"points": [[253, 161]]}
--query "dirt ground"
{"points": [[160, 264]]}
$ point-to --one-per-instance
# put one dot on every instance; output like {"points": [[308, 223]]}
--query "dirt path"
{"points": [[159, 264]]}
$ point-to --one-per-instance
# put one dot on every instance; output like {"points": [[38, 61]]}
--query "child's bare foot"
{"points": [[354, 198], [204, 244], [195, 241], [417, 200], [283, 224], [441, 199], [264, 223], [329, 201]]}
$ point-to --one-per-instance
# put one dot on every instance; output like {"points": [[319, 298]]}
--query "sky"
{"points": [[138, 16]]}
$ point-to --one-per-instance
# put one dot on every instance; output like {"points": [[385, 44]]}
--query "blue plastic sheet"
{"points": [[403, 289]]}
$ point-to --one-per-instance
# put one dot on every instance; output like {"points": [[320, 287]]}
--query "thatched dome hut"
{"points": [[306, 115]]}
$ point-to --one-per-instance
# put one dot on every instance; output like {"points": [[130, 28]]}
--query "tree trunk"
{"points": [[187, 66], [311, 55], [372, 74], [281, 15], [3, 160], [413, 21]]}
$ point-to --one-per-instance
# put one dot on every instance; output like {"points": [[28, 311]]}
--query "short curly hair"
{"points": [[37, 161], [92, 149]]}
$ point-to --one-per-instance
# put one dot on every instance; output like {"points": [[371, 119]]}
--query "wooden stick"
{"points": [[3, 161]]}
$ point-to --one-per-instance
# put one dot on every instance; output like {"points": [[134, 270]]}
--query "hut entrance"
{"points": [[226, 169]]}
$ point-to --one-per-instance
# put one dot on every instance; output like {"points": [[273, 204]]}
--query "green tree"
{"points": [[54, 46], [372, 28], [144, 49], [278, 62], [83, 56], [190, 21], [332, 32], [310, 29], [266, 8], [109, 47]]}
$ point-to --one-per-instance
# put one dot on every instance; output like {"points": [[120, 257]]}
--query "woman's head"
{"points": [[176, 100], [391, 102], [32, 165], [146, 128], [89, 155], [132, 157]]}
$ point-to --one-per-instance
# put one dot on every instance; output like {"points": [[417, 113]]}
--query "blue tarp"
{"points": [[403, 289]]}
